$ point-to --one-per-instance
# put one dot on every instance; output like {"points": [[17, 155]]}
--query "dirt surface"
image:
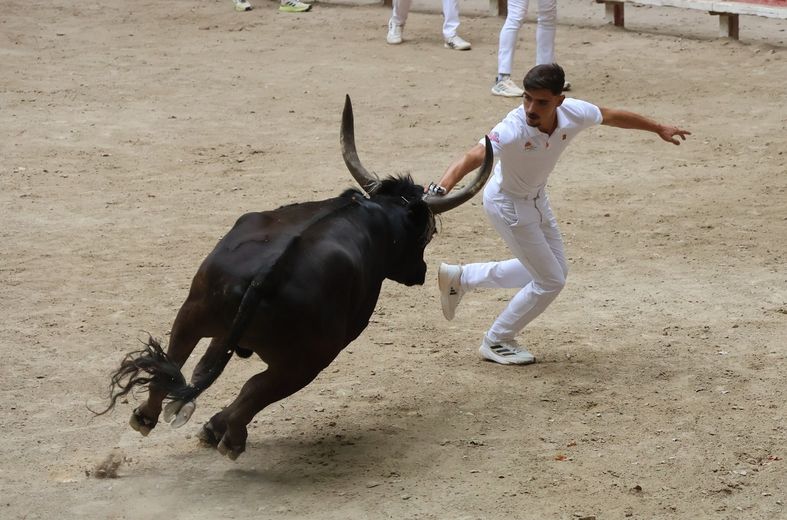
{"points": [[135, 133]]}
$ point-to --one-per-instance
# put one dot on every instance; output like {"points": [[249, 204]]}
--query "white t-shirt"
{"points": [[526, 155]]}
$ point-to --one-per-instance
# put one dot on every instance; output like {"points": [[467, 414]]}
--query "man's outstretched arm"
{"points": [[630, 120], [471, 160]]}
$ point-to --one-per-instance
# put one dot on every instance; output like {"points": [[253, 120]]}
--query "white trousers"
{"points": [[401, 8], [545, 33], [539, 270]]}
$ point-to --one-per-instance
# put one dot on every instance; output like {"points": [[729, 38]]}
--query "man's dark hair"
{"points": [[548, 76]]}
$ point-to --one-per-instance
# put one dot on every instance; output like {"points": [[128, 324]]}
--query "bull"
{"points": [[295, 286]]}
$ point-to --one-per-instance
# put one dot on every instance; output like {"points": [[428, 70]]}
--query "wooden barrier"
{"points": [[727, 11]]}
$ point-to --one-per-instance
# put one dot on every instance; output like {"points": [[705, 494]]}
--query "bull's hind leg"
{"points": [[178, 413], [181, 345], [227, 429], [212, 357]]}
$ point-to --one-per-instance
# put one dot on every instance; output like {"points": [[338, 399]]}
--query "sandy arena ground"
{"points": [[135, 133]]}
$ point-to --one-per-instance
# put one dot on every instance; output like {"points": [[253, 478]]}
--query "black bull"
{"points": [[295, 286]]}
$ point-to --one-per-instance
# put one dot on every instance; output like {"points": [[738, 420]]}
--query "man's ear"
{"points": [[560, 102]]}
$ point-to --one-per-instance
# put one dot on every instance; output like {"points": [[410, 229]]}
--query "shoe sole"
{"points": [[501, 94], [447, 46], [442, 281]]}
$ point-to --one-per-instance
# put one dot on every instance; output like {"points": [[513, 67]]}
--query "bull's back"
{"points": [[315, 252]]}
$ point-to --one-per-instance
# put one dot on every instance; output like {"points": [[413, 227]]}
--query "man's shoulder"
{"points": [[578, 110], [511, 124], [576, 104], [515, 115]]}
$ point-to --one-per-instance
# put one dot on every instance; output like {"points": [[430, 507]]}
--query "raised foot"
{"points": [[178, 413], [141, 423]]}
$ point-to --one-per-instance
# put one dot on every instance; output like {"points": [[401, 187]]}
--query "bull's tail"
{"points": [[140, 369]]}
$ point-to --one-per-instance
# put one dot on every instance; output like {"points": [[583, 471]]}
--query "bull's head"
{"points": [[416, 213], [370, 183]]}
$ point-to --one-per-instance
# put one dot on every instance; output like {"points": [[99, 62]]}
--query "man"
{"points": [[401, 8], [528, 143], [545, 43]]}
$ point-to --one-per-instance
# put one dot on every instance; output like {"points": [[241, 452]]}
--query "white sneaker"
{"points": [[242, 5], [507, 352], [394, 33], [457, 43], [294, 6], [566, 85], [451, 292], [507, 88]]}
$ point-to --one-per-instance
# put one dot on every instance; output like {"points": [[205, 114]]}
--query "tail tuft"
{"points": [[142, 368]]}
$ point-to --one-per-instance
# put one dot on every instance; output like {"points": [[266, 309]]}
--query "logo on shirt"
{"points": [[529, 145], [494, 137], [563, 138]]}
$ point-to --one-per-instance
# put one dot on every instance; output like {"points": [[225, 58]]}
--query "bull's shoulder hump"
{"points": [[291, 213]]}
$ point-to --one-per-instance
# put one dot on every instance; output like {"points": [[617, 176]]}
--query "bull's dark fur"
{"points": [[294, 285]]}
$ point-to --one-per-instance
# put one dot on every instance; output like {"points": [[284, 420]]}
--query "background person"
{"points": [[401, 8], [546, 27]]}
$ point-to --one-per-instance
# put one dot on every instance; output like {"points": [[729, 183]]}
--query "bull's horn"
{"points": [[368, 181], [454, 199]]}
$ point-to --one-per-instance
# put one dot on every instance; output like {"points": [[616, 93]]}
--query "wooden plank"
{"points": [[754, 9], [615, 14], [765, 8], [728, 25], [727, 10], [498, 8]]}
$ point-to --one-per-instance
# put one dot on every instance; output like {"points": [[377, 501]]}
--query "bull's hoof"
{"points": [[229, 451], [208, 436], [178, 413], [141, 423]]}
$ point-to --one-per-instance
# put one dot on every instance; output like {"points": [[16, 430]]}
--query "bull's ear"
{"points": [[419, 214]]}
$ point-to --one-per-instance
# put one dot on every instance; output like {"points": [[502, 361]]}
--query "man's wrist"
{"points": [[436, 189]]}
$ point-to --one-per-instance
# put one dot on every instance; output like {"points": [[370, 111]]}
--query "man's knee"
{"points": [[514, 22], [547, 14], [553, 285]]}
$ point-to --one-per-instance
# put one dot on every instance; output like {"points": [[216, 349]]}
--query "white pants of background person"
{"points": [[545, 33], [539, 270], [401, 8]]}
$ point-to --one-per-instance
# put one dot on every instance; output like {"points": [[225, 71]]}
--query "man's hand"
{"points": [[435, 190], [668, 133]]}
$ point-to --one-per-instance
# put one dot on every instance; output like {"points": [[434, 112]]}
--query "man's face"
{"points": [[540, 108]]}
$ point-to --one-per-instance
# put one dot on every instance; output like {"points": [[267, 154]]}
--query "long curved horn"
{"points": [[368, 181], [454, 199]]}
